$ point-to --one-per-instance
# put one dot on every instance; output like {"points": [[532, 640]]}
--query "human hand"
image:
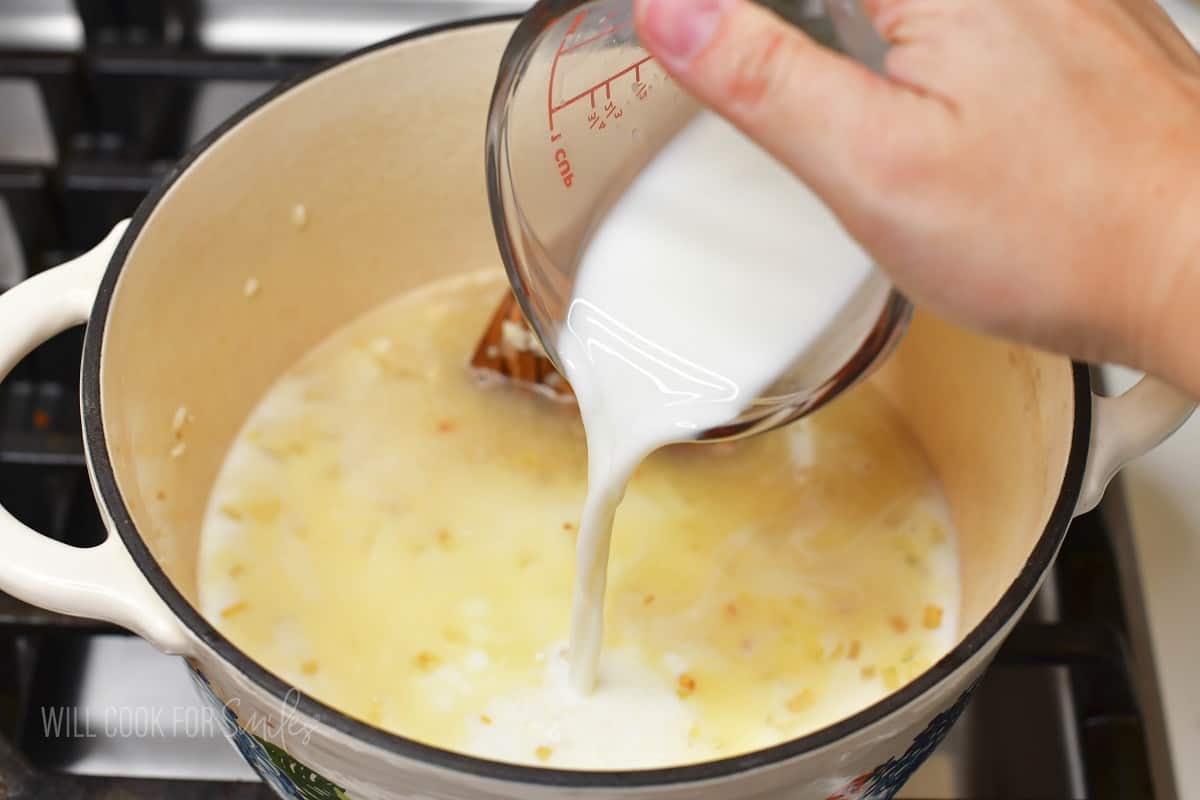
{"points": [[1030, 168]]}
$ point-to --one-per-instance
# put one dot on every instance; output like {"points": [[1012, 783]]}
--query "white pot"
{"points": [[384, 152]]}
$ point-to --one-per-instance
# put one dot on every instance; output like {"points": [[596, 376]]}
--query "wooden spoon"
{"points": [[509, 352]]}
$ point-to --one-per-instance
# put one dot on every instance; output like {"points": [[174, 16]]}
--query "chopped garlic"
{"points": [[251, 288], [518, 337], [234, 610], [263, 510], [299, 215], [801, 701], [426, 661], [933, 617], [181, 418], [178, 450]]}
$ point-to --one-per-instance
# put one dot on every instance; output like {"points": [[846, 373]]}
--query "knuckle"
{"points": [[760, 71], [877, 7], [907, 20], [910, 147], [887, 163], [906, 64], [893, 17]]}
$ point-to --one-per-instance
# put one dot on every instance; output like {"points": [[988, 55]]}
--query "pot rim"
{"points": [[109, 494]]}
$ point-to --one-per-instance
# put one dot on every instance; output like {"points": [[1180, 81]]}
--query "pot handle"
{"points": [[99, 582], [1126, 427]]}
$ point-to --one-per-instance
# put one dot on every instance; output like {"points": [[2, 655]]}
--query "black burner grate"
{"points": [[118, 109]]}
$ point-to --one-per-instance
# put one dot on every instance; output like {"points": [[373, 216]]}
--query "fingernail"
{"points": [[679, 29]]}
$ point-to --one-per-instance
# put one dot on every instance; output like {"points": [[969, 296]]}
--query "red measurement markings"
{"points": [[575, 26], [611, 111], [605, 84], [606, 32], [575, 23]]}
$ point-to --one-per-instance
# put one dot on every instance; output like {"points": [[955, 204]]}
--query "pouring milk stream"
{"points": [[714, 272]]}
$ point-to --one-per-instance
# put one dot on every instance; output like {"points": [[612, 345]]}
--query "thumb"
{"points": [[805, 104]]}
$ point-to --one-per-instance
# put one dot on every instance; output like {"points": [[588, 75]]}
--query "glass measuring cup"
{"points": [[579, 109]]}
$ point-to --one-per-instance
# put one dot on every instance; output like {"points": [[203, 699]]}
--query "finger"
{"points": [[909, 20], [915, 30], [889, 17], [804, 103]]}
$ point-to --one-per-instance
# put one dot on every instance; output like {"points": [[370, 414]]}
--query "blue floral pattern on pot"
{"points": [[285, 775], [291, 779], [884, 781]]}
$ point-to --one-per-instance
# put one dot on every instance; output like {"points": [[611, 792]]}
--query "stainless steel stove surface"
{"points": [[97, 100]]}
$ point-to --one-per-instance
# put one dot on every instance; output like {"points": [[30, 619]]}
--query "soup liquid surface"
{"points": [[399, 543]]}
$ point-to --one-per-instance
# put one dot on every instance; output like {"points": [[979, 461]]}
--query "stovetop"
{"points": [[98, 100]]}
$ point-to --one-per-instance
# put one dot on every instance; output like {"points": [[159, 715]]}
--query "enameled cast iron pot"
{"points": [[384, 150]]}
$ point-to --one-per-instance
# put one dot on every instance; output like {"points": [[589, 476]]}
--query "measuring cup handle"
{"points": [[1128, 426]]}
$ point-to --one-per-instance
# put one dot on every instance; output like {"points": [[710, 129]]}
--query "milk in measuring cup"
{"points": [[714, 272]]}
